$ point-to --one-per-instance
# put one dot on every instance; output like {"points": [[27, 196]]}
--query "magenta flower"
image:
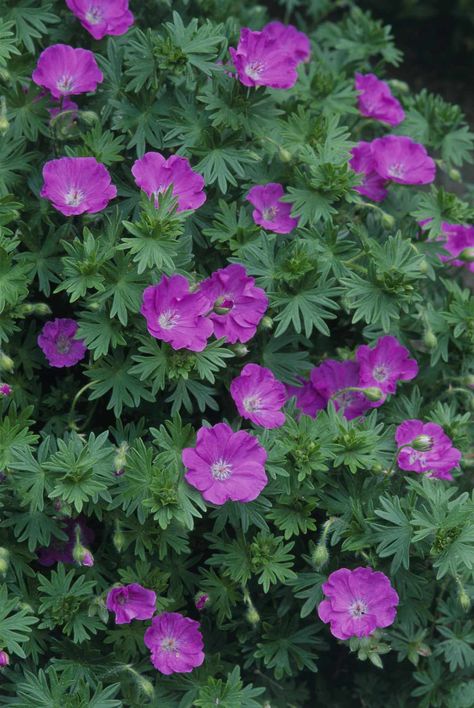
{"points": [[176, 315], [259, 396], [400, 159], [62, 551], [271, 213], [175, 642], [4, 659], [333, 380], [65, 71], [201, 601], [385, 365], [131, 602], [5, 389], [261, 59], [77, 185], [458, 238], [59, 344], [154, 174], [101, 17], [358, 602], [308, 400], [225, 465], [362, 162], [425, 447], [377, 101], [290, 40], [238, 304]]}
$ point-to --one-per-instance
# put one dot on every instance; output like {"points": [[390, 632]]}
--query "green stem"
{"points": [[76, 399]]}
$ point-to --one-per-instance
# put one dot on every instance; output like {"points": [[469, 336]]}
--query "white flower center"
{"points": [[170, 644], [65, 83], [221, 469], [396, 170], [416, 456], [255, 69], [270, 213], [380, 373], [74, 197], [63, 344], [168, 319], [252, 403], [94, 15], [358, 609]]}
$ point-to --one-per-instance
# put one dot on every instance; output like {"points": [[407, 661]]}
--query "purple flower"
{"points": [[59, 345], [87, 559], [225, 465], [4, 659], [5, 389], [290, 40], [238, 304], [400, 159], [201, 601], [358, 602], [64, 70], [131, 602], [261, 59], [332, 378], [308, 400], [458, 238], [175, 642], [385, 365], [62, 551], [376, 100], [175, 315], [363, 163], [270, 212], [426, 448], [101, 17], [259, 396], [154, 174], [77, 185]]}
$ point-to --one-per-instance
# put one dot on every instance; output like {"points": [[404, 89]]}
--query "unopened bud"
{"points": [[467, 254], [42, 309], [455, 175], [80, 553], [398, 85], [285, 155], [266, 323], [6, 362], [26, 309], [252, 615], [4, 560], [118, 539], [423, 266], [320, 555], [388, 220], [4, 659], [464, 600], [145, 686], [4, 125], [373, 393], [120, 459], [423, 650], [422, 443], [201, 600], [430, 339], [240, 350], [88, 117]]}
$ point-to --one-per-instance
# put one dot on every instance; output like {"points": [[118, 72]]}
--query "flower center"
{"points": [[270, 213], [358, 609], [122, 599], [223, 305], [65, 84], [255, 69], [396, 170], [63, 344], [416, 456], [94, 15], [380, 373], [74, 197], [168, 319], [252, 403], [221, 469], [169, 644]]}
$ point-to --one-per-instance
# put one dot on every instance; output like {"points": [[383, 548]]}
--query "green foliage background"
{"points": [[351, 272]]}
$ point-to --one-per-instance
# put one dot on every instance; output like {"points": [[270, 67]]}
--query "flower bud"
{"points": [[5, 389], [4, 125], [4, 659], [401, 86], [201, 600], [26, 309], [266, 323], [422, 443], [423, 266], [120, 459], [430, 339], [118, 539], [467, 254], [464, 599], [81, 554], [252, 615], [89, 117], [320, 555], [373, 393], [4, 560], [285, 155], [388, 220], [42, 309], [6, 362], [145, 687], [469, 381], [423, 650], [455, 175], [240, 350]]}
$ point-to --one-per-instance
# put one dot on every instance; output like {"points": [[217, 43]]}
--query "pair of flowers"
{"points": [[175, 642], [356, 386], [227, 304]]}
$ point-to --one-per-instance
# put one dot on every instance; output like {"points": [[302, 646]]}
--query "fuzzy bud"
{"points": [[89, 117], [266, 323], [401, 86], [285, 155], [464, 600], [6, 362], [240, 350], [422, 443], [467, 254], [120, 459], [4, 659], [430, 340], [42, 309], [252, 616], [118, 539], [388, 220], [145, 687], [320, 555], [373, 393], [201, 600], [455, 175], [423, 650], [81, 554], [4, 125]]}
